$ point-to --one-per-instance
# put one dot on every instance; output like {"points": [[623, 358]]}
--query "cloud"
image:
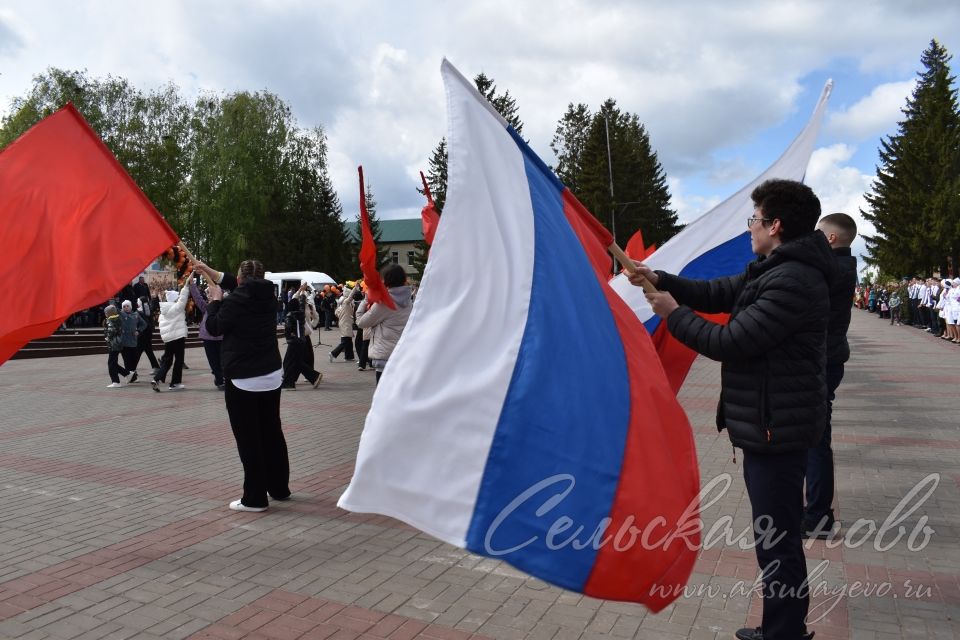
{"points": [[875, 114], [10, 39], [841, 188], [707, 79]]}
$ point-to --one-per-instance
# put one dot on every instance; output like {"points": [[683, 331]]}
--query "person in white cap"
{"points": [[173, 332]]}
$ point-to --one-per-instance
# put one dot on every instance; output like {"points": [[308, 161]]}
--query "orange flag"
{"points": [[74, 226], [429, 214], [376, 290]]}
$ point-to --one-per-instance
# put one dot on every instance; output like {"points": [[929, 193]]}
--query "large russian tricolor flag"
{"points": [[714, 245], [524, 414]]}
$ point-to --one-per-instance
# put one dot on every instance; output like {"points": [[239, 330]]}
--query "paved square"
{"points": [[115, 522]]}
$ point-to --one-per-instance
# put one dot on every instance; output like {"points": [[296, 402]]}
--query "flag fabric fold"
{"points": [[75, 227], [375, 289], [714, 245], [524, 414]]}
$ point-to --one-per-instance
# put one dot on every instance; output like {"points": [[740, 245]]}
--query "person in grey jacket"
{"points": [[131, 324], [382, 324]]}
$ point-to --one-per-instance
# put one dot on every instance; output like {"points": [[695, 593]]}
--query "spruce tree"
{"points": [[641, 198], [914, 203]]}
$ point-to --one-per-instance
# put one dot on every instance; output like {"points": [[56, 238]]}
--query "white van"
{"points": [[283, 280]]}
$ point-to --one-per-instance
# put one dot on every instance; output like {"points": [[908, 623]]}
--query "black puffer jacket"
{"points": [[247, 321], [841, 303], [773, 388]]}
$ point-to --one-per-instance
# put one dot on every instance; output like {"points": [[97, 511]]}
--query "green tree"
{"points": [[233, 175], [436, 175], [504, 103], [641, 198], [915, 200], [569, 142]]}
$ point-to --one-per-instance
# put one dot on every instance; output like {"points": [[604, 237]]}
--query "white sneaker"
{"points": [[114, 385], [237, 505], [177, 387]]}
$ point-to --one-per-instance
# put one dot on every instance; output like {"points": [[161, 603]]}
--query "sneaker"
{"points": [[155, 385], [288, 387], [133, 378], [331, 356], [316, 383], [361, 368], [349, 360], [281, 498], [114, 385], [176, 387], [185, 366], [237, 505]]}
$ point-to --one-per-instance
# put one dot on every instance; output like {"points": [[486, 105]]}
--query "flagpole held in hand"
{"points": [[628, 266]]}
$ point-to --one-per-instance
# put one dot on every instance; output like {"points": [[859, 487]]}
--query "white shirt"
{"points": [[267, 382]]}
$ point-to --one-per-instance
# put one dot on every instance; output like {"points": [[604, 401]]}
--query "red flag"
{"points": [[376, 290], [429, 214], [75, 227]]}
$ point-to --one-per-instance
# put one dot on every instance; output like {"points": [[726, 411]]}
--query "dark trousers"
{"points": [[295, 364], [130, 358], [346, 345], [144, 346], [775, 487], [820, 480], [212, 349], [308, 351], [914, 312], [172, 355], [113, 368], [361, 346], [327, 319], [255, 421], [894, 314]]}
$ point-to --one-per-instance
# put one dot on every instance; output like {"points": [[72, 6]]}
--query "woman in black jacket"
{"points": [[246, 319]]}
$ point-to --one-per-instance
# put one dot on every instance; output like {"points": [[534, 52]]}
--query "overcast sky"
{"points": [[722, 87]]}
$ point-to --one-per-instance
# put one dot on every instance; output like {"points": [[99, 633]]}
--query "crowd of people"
{"points": [[931, 304], [301, 312]]}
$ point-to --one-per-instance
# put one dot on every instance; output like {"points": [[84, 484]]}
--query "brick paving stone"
{"points": [[116, 524]]}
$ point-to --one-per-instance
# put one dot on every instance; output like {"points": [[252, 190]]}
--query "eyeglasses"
{"points": [[750, 221]]}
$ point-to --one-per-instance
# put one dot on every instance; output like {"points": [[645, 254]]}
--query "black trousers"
{"points": [[775, 487], [114, 370], [172, 355], [144, 341], [255, 421], [212, 349], [820, 477], [362, 346], [346, 345], [295, 363], [130, 358]]}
